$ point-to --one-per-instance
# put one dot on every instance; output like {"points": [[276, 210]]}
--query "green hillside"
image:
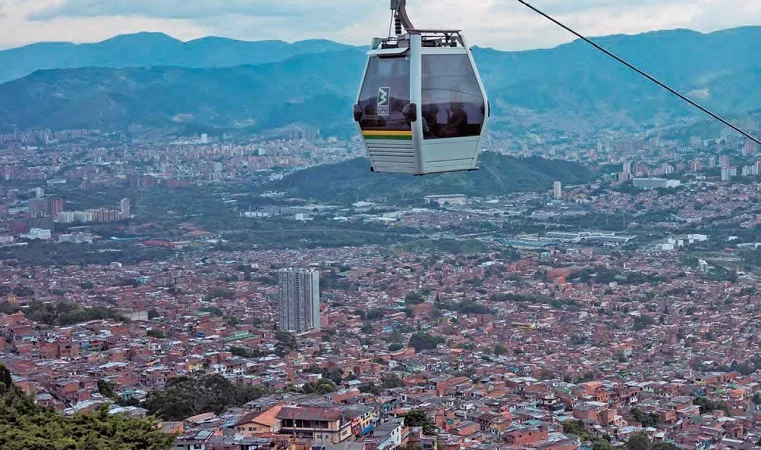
{"points": [[351, 181]]}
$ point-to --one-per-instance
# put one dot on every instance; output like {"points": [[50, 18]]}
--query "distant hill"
{"points": [[576, 86], [305, 88], [352, 181], [569, 89], [153, 49]]}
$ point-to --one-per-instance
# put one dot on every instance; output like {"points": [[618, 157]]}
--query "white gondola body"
{"points": [[442, 85]]}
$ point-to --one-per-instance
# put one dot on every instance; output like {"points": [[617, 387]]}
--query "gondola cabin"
{"points": [[422, 107]]}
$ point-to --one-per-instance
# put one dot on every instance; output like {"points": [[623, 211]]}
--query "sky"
{"points": [[501, 24]]}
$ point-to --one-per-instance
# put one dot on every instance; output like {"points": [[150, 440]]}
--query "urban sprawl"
{"points": [[583, 316]]}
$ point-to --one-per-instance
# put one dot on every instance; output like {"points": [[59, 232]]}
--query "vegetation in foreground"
{"points": [[25, 425]]}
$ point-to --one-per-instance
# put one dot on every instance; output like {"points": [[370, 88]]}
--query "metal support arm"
{"points": [[400, 13]]}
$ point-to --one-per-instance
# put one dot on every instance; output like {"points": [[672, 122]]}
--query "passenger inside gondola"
{"points": [[453, 105], [431, 128], [457, 121]]}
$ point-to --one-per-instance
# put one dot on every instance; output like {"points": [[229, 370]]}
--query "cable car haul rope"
{"points": [[422, 107], [640, 71]]}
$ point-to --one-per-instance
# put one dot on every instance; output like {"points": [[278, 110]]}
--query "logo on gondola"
{"points": [[384, 94]]}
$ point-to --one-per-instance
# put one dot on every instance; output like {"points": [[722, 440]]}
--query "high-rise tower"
{"points": [[124, 209], [557, 190], [299, 300]]}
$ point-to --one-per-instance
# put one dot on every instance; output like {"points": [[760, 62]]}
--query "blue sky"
{"points": [[502, 24]]}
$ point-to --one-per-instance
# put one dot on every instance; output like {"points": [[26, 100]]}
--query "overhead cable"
{"points": [[641, 72]]}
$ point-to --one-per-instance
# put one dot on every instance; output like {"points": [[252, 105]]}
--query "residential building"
{"points": [[124, 208], [320, 425], [655, 183], [299, 299]]}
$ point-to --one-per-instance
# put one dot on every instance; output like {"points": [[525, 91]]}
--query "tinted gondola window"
{"points": [[452, 102], [385, 92]]}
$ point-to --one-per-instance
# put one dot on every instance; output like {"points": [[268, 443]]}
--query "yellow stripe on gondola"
{"points": [[383, 134]]}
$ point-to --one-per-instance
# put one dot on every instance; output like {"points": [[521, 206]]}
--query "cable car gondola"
{"points": [[422, 107]]}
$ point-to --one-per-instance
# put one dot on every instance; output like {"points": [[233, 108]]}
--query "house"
{"points": [[255, 423], [320, 425], [522, 435], [388, 436]]}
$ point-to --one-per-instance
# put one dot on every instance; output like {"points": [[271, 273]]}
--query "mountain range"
{"points": [[149, 81], [153, 49]]}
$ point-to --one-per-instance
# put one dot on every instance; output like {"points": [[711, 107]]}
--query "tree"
{"points": [[213, 310], [638, 441], [374, 314], [184, 397], [25, 425], [106, 389], [413, 298], [391, 381], [646, 419], [286, 343], [244, 352], [500, 350], [6, 379], [334, 375], [419, 418], [664, 446], [158, 334], [578, 428], [424, 341], [601, 444], [23, 291], [395, 347], [321, 387], [370, 388], [707, 405], [643, 321], [314, 368]]}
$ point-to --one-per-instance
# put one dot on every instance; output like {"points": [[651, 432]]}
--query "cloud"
{"points": [[168, 9], [16, 29], [503, 24]]}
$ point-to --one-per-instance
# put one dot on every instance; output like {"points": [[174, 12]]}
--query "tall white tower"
{"points": [[124, 209], [557, 190], [299, 300]]}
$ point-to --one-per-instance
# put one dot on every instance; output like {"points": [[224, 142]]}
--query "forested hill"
{"points": [[351, 181]]}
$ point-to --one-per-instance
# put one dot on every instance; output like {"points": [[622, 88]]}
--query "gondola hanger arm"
{"points": [[399, 7]]}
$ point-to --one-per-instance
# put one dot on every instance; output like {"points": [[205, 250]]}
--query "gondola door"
{"points": [[383, 96]]}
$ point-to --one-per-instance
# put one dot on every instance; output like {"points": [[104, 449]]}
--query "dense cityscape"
{"points": [[380, 225], [178, 279]]}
